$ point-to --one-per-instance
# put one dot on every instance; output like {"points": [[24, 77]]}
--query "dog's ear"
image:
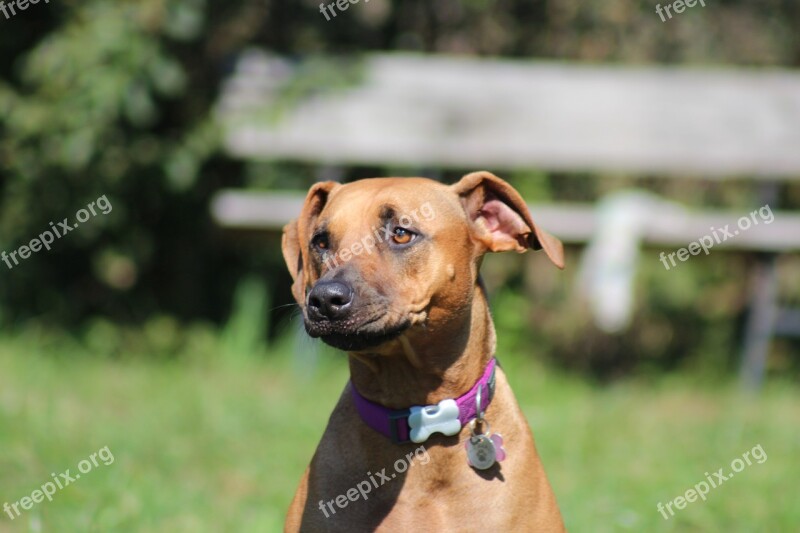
{"points": [[297, 233], [501, 220]]}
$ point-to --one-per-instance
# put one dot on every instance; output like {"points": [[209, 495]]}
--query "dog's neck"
{"points": [[424, 372]]}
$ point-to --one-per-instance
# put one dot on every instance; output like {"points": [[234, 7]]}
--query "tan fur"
{"points": [[440, 356]]}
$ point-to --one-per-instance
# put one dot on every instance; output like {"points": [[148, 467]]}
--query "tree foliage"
{"points": [[116, 98]]}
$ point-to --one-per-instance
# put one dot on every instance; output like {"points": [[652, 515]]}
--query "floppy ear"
{"points": [[297, 233], [501, 220]]}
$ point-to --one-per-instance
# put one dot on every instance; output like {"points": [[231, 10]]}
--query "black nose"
{"points": [[330, 299]]}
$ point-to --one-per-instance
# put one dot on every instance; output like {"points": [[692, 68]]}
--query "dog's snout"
{"points": [[330, 300]]}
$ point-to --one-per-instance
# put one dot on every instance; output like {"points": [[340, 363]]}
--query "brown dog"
{"points": [[387, 269]]}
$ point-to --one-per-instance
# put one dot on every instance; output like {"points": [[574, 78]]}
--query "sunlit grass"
{"points": [[209, 446]]}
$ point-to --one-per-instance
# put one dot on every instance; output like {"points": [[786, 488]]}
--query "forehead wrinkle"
{"points": [[356, 206], [352, 217], [389, 190], [387, 212]]}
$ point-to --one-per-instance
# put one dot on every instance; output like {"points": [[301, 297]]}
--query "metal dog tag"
{"points": [[481, 452]]}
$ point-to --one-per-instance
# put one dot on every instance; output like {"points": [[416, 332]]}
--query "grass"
{"points": [[213, 446]]}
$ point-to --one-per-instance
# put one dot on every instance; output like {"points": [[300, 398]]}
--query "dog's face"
{"points": [[376, 259]]}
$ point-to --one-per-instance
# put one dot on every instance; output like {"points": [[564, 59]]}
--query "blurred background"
{"points": [[165, 329]]}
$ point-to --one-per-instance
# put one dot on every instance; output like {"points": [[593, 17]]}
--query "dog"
{"points": [[427, 435]]}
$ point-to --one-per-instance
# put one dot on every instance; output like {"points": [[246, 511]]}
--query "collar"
{"points": [[417, 423]]}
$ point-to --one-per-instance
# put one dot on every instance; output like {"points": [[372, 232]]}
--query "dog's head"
{"points": [[374, 259]]}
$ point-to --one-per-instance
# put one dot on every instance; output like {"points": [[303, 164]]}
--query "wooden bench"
{"points": [[431, 113]]}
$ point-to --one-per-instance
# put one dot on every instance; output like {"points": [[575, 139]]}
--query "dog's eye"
{"points": [[401, 235], [320, 241]]}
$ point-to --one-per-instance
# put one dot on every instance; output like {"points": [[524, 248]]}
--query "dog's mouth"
{"points": [[353, 337]]}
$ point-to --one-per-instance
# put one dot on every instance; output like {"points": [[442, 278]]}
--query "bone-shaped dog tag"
{"points": [[442, 418]]}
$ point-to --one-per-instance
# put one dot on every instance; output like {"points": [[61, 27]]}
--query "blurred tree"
{"points": [[114, 99]]}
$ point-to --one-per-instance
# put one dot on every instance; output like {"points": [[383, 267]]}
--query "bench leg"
{"points": [[760, 322]]}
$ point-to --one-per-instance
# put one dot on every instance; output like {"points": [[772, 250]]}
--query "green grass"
{"points": [[204, 446]]}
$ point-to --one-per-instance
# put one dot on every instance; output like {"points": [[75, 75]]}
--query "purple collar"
{"points": [[417, 423]]}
